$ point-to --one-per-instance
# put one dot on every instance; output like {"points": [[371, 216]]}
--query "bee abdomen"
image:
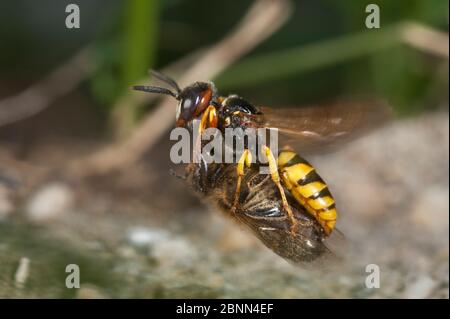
{"points": [[308, 188]]}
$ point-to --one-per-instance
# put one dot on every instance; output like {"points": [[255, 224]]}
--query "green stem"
{"points": [[273, 66]]}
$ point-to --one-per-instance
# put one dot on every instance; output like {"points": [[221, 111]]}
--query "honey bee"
{"points": [[291, 209]]}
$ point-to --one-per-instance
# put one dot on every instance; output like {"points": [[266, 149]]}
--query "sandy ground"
{"points": [[392, 193]]}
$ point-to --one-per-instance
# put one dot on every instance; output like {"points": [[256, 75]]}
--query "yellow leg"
{"points": [[273, 168], [245, 160], [209, 119]]}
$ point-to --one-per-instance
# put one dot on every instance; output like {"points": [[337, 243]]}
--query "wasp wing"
{"points": [[319, 128]]}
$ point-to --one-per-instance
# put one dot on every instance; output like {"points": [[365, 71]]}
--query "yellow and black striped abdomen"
{"points": [[308, 188]]}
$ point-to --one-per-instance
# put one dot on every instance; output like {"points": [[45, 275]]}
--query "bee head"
{"points": [[192, 100]]}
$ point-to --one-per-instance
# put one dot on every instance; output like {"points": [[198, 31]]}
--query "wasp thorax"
{"points": [[193, 100]]}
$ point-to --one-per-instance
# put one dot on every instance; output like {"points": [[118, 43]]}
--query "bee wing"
{"points": [[307, 246], [319, 128], [300, 248]]}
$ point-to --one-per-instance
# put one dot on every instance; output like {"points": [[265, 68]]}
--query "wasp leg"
{"points": [[245, 160], [273, 168], [209, 119]]}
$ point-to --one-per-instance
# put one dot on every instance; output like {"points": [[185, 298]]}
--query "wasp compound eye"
{"points": [[194, 100]]}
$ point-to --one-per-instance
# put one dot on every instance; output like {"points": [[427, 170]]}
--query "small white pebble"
{"points": [[22, 272], [142, 236], [49, 202]]}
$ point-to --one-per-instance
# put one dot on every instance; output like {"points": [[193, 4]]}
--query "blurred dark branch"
{"points": [[41, 95], [262, 19]]}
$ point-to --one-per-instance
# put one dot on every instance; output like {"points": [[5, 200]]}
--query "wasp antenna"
{"points": [[166, 79], [154, 89]]}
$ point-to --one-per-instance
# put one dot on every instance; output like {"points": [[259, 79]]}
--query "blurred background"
{"points": [[84, 162]]}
